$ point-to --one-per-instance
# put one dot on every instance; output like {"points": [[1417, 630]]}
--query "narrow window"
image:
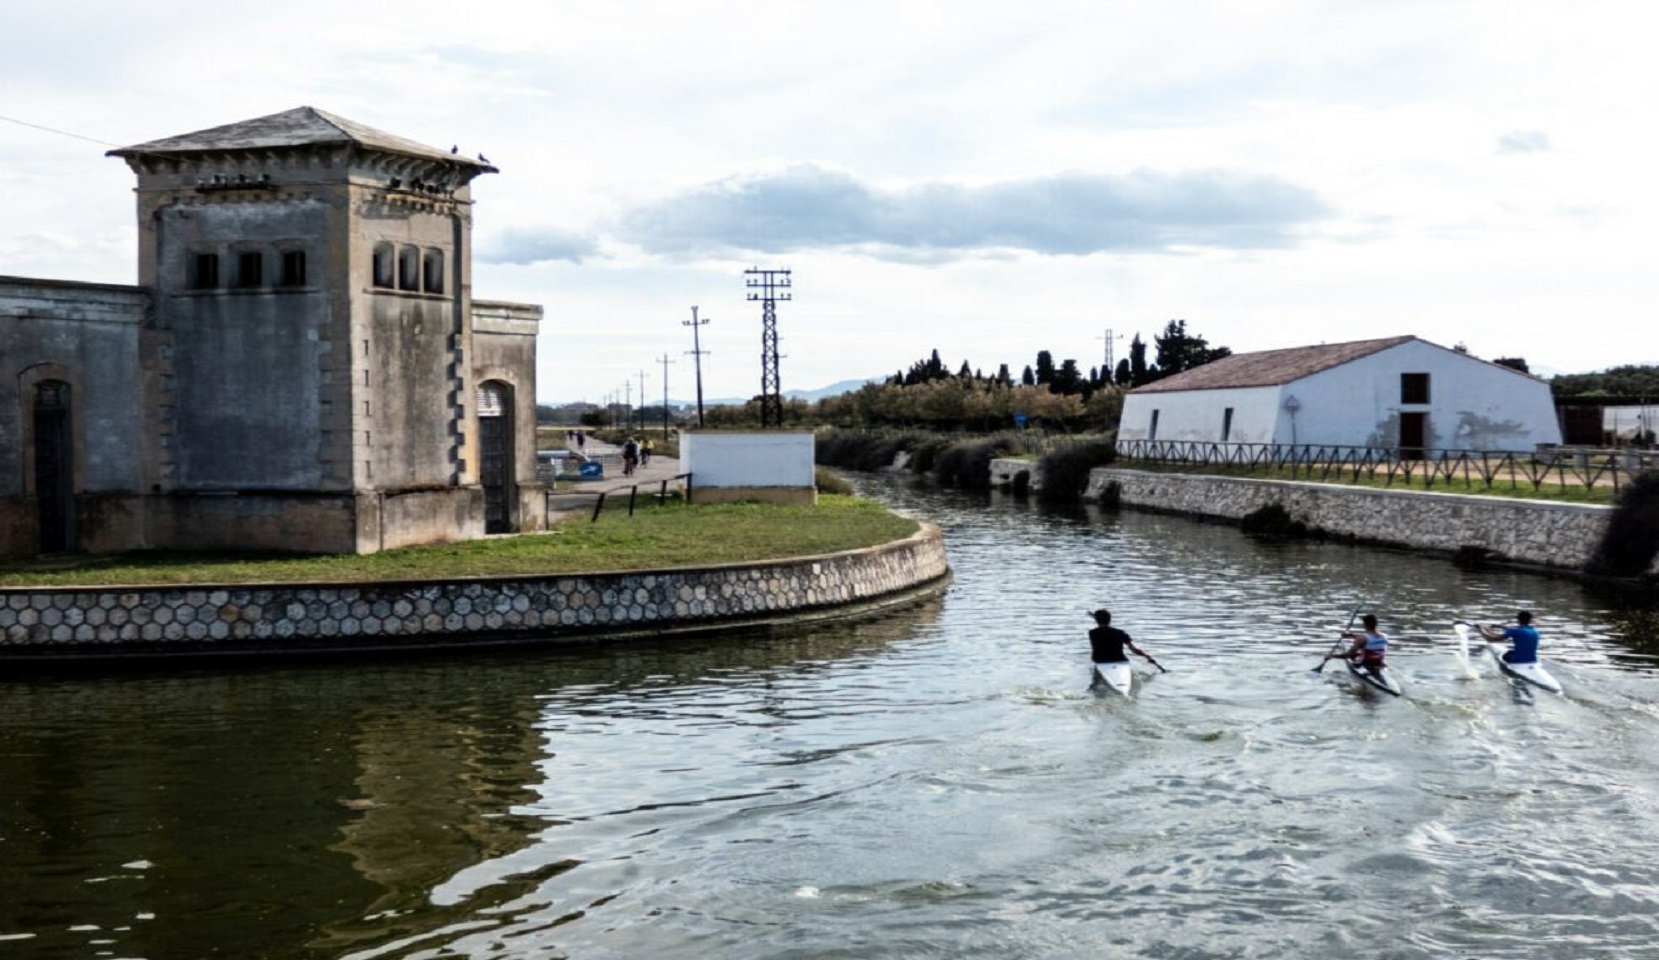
{"points": [[1414, 388], [250, 269], [408, 269], [1152, 431], [293, 268], [383, 266], [432, 271], [204, 272], [1226, 424]]}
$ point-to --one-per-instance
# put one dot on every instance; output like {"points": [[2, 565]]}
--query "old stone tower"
{"points": [[302, 366]]}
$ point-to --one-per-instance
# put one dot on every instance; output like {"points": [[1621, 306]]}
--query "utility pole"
{"points": [[764, 285], [642, 399], [628, 405], [697, 352], [665, 362]]}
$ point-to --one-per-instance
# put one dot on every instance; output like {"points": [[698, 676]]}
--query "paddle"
{"points": [[1338, 645], [1155, 663]]}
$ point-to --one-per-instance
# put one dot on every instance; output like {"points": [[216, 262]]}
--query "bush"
{"points": [[1631, 542], [1066, 470], [967, 463], [828, 481]]}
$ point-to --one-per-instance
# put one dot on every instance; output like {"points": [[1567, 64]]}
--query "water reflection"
{"points": [[932, 783]]}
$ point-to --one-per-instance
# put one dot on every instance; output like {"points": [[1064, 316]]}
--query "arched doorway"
{"points": [[495, 442], [54, 466]]}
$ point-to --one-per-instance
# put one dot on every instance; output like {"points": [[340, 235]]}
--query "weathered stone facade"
{"points": [[301, 367], [72, 623], [1560, 535]]}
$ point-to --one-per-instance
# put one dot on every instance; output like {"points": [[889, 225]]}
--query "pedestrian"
{"points": [[1107, 643], [1369, 648], [645, 452], [1522, 637], [630, 456], [581, 441]]}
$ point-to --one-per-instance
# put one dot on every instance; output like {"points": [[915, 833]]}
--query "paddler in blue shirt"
{"points": [[1369, 648], [1522, 638]]}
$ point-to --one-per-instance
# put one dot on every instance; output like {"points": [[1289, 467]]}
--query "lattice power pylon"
{"points": [[769, 286]]}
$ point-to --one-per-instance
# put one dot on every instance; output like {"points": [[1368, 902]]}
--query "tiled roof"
{"points": [[1267, 368], [301, 126]]}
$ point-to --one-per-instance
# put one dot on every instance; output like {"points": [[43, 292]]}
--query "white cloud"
{"points": [[983, 179]]}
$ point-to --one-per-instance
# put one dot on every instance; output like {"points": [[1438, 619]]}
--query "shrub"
{"points": [[1066, 470], [828, 481], [1628, 547]]}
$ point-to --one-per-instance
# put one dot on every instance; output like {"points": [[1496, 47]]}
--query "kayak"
{"points": [[1379, 677], [1116, 676], [1533, 673], [1530, 673]]}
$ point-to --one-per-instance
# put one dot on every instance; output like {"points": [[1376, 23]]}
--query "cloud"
{"points": [[810, 207], [1524, 141], [520, 246]]}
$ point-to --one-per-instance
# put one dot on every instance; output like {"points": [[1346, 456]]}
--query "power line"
{"points": [[61, 133]]}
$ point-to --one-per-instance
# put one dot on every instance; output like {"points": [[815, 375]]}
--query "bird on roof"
{"points": [[455, 148], [483, 159]]}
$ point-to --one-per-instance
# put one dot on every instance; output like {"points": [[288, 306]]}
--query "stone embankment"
{"points": [[1533, 532], [77, 623]]}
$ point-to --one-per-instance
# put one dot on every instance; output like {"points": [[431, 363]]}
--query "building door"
{"points": [[54, 467], [495, 440], [1414, 432]]}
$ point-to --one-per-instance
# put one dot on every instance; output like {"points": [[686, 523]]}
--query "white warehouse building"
{"points": [[1395, 393]]}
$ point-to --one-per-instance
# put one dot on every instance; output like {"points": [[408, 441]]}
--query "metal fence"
{"points": [[561, 501], [1560, 466]]}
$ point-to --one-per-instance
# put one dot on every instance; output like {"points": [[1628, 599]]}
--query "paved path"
{"points": [[572, 494]]}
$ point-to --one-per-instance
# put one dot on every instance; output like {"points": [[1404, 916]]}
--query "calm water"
{"points": [[934, 784]]}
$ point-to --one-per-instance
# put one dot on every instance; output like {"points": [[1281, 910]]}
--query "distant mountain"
{"points": [[810, 396]]}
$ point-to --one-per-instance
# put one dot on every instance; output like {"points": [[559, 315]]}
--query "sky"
{"points": [[985, 179]]}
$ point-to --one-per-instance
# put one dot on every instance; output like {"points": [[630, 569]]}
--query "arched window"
{"points": [[54, 466], [384, 266], [408, 268], [432, 271]]}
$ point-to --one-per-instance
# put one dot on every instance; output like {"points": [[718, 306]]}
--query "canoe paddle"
{"points": [[1336, 646]]}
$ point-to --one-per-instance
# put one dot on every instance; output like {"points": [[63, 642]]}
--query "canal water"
{"points": [[937, 783]]}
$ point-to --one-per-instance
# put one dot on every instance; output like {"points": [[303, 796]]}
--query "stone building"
{"points": [[301, 366]]}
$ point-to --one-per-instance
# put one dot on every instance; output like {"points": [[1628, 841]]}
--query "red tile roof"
{"points": [[1267, 368]]}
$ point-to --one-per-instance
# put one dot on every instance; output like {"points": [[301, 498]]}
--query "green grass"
{"points": [[1551, 491], [657, 535]]}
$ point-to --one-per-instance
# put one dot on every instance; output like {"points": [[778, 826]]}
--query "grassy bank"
{"points": [[670, 535]]}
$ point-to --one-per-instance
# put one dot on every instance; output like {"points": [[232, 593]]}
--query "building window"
{"points": [[1226, 424], [1414, 388], [432, 271], [250, 269], [408, 269], [204, 271], [383, 266], [1152, 431], [293, 268]]}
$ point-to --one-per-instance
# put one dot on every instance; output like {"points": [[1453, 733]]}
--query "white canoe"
{"points": [[1116, 676], [1533, 673], [1530, 673], [1378, 677]]}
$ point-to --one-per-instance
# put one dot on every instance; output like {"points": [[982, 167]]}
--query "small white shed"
{"points": [[1398, 392]]}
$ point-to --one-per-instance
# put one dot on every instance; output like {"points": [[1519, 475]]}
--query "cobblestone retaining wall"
{"points": [[1561, 535], [69, 622]]}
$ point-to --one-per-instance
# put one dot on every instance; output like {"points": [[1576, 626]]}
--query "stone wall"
{"points": [[67, 623], [1560, 535]]}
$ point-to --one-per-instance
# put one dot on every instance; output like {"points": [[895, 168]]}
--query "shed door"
{"points": [[495, 439], [54, 469]]}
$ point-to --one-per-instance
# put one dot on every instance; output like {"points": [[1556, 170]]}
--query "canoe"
{"points": [[1377, 677], [1115, 676]]}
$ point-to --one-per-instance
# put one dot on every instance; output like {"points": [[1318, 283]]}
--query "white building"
{"points": [[1399, 392]]}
